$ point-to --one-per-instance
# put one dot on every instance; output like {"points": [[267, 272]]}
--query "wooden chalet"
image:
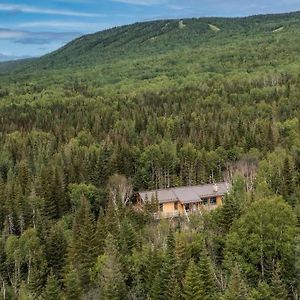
{"points": [[178, 201]]}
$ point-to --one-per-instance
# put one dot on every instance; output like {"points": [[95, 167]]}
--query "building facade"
{"points": [[178, 201]]}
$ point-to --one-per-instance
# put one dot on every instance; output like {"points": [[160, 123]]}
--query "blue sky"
{"points": [[33, 28]]}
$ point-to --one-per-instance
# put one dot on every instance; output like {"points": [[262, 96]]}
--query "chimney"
{"points": [[216, 188]]}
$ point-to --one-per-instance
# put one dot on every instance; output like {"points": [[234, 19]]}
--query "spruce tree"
{"points": [[207, 276], [23, 294], [39, 275], [182, 259], [73, 289], [52, 289], [261, 292], [288, 180], [56, 250], [156, 290], [169, 265], [233, 202], [48, 192], [111, 278], [192, 288], [84, 247], [151, 266], [172, 290], [100, 235], [278, 286], [237, 289], [127, 237], [112, 221], [24, 177]]}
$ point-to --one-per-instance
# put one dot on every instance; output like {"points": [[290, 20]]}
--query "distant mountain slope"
{"points": [[8, 66], [159, 37]]}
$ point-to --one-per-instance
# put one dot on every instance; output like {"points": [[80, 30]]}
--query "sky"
{"points": [[33, 28]]}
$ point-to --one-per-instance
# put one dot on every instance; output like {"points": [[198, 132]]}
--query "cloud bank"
{"points": [[41, 10], [36, 38]]}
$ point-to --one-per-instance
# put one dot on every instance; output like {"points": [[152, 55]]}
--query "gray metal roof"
{"points": [[165, 195], [187, 194]]}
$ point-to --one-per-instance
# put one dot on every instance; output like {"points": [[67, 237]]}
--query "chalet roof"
{"points": [[187, 194]]}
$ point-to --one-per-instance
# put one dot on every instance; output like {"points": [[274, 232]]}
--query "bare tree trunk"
{"points": [[3, 289], [29, 270]]}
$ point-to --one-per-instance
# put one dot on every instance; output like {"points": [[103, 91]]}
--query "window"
{"points": [[176, 205], [213, 200], [205, 201], [161, 207], [187, 207]]}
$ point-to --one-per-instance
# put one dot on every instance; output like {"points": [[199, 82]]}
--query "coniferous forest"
{"points": [[145, 106]]}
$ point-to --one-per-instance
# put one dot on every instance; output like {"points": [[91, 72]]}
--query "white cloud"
{"points": [[11, 34], [48, 11], [36, 38], [141, 2], [64, 25], [168, 4]]}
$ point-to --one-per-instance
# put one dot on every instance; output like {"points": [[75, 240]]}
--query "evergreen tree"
{"points": [[172, 290], [237, 289], [278, 286], [192, 288], [232, 206], [127, 238], [52, 289], [112, 221], [72, 285], [182, 260], [84, 247], [111, 279], [24, 177], [151, 267], [48, 192], [56, 250], [24, 293], [207, 276], [156, 290], [288, 180], [100, 235], [168, 267], [39, 275], [261, 292]]}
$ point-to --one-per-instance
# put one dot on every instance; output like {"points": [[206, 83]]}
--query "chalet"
{"points": [[184, 200]]}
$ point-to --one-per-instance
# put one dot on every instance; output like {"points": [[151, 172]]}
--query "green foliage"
{"points": [[84, 247], [111, 279], [72, 285], [52, 289], [56, 251], [164, 112], [192, 288], [251, 242], [206, 273], [237, 289]]}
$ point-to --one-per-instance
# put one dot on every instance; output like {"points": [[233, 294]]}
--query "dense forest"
{"points": [[143, 106]]}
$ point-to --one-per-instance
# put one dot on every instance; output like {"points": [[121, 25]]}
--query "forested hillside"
{"points": [[142, 106]]}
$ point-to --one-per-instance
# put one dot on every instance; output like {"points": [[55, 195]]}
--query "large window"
{"points": [[187, 207], [213, 200], [205, 201]]}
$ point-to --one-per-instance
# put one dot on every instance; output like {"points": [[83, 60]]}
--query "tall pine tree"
{"points": [[192, 288]]}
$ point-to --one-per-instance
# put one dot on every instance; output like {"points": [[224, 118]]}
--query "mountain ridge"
{"points": [[142, 39]]}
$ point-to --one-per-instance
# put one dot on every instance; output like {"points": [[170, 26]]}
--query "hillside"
{"points": [[155, 38], [162, 53], [154, 105]]}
